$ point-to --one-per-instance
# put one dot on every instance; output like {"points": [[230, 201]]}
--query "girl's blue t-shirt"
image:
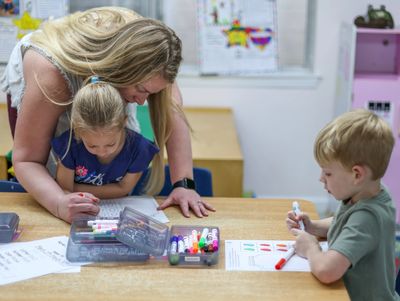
{"points": [[134, 157]]}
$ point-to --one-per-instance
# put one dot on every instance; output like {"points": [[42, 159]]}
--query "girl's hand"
{"points": [[187, 199], [77, 204]]}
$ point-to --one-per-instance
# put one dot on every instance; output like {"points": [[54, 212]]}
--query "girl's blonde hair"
{"points": [[123, 49], [97, 106]]}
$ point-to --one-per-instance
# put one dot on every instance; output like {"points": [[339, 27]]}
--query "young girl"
{"points": [[100, 155]]}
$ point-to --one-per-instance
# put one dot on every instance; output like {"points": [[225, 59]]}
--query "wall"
{"points": [[277, 126]]}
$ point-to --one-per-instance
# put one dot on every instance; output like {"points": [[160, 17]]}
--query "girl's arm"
{"points": [[65, 177], [114, 190], [36, 123], [179, 151]]}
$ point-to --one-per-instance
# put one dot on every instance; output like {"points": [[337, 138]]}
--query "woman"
{"points": [[140, 57]]}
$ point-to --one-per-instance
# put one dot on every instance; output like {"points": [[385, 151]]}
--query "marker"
{"points": [[174, 244], [215, 239], [297, 212], [102, 221], [93, 199], [181, 246], [202, 241], [195, 242], [285, 259], [186, 243]]}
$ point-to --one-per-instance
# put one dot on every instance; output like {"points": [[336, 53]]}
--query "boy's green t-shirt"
{"points": [[364, 232]]}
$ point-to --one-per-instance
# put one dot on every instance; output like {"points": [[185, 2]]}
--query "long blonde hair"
{"points": [[123, 49]]}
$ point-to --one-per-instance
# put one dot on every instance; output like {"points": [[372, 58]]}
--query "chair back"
{"points": [[10, 186], [202, 177]]}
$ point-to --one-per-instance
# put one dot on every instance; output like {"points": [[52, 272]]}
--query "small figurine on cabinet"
{"points": [[375, 18]]}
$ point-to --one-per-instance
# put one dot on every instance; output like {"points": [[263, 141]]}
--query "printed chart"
{"points": [[262, 255]]}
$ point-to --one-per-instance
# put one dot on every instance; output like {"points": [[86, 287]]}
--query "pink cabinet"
{"points": [[369, 77]]}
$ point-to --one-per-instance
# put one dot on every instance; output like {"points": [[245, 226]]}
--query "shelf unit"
{"points": [[369, 77]]}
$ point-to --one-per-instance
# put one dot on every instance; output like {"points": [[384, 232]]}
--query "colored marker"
{"points": [[203, 237], [186, 243], [297, 212], [215, 239], [102, 221], [174, 244], [195, 242], [93, 199], [285, 259], [181, 246]]}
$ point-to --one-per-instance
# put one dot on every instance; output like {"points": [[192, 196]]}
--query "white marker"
{"points": [[297, 211]]}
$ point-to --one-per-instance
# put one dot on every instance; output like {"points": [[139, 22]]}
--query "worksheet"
{"points": [[111, 208], [24, 260], [263, 255]]}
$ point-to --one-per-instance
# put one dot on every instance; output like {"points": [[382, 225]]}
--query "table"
{"points": [[6, 142], [237, 218]]}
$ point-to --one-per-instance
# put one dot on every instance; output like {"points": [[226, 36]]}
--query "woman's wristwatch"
{"points": [[185, 183]]}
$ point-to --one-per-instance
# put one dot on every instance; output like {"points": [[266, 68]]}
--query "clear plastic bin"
{"points": [[135, 236], [8, 226], [85, 244], [149, 235], [193, 246], [142, 232]]}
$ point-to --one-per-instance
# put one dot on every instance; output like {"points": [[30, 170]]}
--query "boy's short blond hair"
{"points": [[357, 137]]}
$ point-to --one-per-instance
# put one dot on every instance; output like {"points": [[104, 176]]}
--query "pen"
{"points": [[285, 259], [297, 211]]}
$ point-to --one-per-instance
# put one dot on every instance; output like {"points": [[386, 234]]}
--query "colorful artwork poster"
{"points": [[237, 36], [9, 8]]}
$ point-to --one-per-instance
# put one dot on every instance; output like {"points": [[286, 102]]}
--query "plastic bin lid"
{"points": [[8, 221], [142, 232]]}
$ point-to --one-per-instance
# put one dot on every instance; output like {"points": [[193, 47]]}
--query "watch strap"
{"points": [[185, 183]]}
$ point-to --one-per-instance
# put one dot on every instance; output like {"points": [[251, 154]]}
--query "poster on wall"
{"points": [[20, 17], [45, 9], [237, 37]]}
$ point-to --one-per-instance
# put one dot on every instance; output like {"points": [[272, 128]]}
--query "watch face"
{"points": [[189, 183]]}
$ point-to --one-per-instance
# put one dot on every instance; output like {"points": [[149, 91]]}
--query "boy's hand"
{"points": [[304, 242], [292, 220]]}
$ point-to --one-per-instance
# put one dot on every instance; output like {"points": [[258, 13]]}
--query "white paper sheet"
{"points": [[262, 255], [24, 260], [145, 204]]}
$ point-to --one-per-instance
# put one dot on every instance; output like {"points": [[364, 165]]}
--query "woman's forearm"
{"points": [[36, 179], [179, 146]]}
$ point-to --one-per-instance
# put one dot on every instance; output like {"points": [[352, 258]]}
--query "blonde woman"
{"points": [[140, 57]]}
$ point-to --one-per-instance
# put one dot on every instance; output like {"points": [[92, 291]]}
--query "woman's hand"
{"points": [[77, 204], [187, 199]]}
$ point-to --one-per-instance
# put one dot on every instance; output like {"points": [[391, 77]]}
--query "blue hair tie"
{"points": [[94, 79]]}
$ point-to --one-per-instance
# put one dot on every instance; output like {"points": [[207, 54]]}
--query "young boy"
{"points": [[353, 152]]}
